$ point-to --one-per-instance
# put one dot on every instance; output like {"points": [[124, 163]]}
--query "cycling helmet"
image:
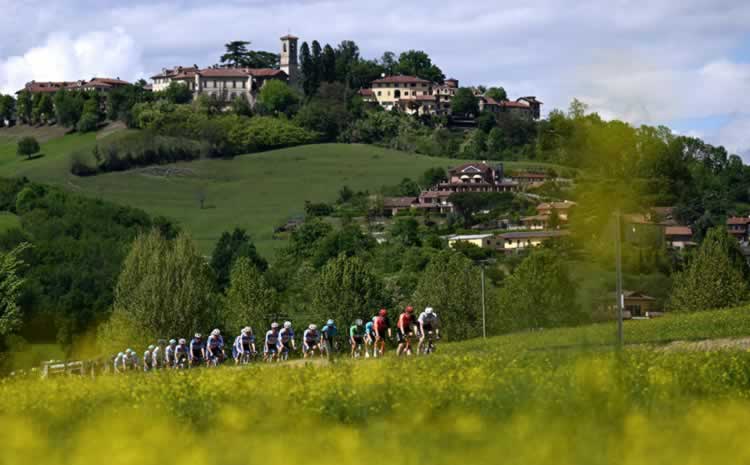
{"points": [[383, 312], [409, 309], [358, 322], [120, 354], [130, 351], [172, 342], [429, 310], [198, 335], [183, 341], [151, 347], [215, 332], [274, 325], [247, 330], [313, 327], [287, 324], [329, 322]]}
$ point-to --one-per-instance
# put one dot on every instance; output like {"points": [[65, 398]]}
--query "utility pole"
{"points": [[618, 267], [484, 309]]}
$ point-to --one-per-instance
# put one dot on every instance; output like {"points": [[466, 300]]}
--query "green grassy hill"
{"points": [[256, 192]]}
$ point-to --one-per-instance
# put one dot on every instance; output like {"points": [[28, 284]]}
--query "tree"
{"points": [[406, 232], [90, 117], [241, 107], [10, 290], [539, 294], [27, 146], [317, 60], [178, 93], [577, 109], [24, 106], [309, 72], [475, 145], [496, 93], [347, 55], [486, 122], [495, 142], [433, 176], [231, 247], [249, 299], [165, 290], [345, 290], [451, 285], [236, 51], [389, 62], [714, 277], [43, 109], [418, 63], [464, 102], [68, 107], [328, 64], [276, 97], [7, 108]]}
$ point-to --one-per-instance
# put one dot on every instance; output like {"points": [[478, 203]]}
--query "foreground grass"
{"points": [[257, 192], [515, 399]]}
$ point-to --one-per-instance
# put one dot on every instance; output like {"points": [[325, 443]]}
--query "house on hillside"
{"points": [[739, 227], [483, 241], [637, 304], [536, 222], [469, 177], [528, 177], [679, 237], [410, 94], [392, 206], [562, 208], [524, 107], [162, 80], [516, 241]]}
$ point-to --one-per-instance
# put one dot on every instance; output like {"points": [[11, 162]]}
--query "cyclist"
{"points": [[169, 354], [357, 336], [119, 363], [286, 339], [405, 331], [148, 358], [271, 349], [243, 344], [310, 341], [382, 329], [181, 354], [215, 348], [157, 361], [131, 360], [197, 353], [370, 337], [329, 333], [428, 323]]}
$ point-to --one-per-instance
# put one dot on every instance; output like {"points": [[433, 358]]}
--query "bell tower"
{"points": [[289, 58]]}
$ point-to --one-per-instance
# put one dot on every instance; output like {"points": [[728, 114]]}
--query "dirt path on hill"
{"points": [[708, 345]]}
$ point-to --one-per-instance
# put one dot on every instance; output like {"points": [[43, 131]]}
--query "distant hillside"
{"points": [[256, 192]]}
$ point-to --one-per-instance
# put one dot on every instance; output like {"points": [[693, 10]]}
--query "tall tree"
{"points": [[345, 290], [10, 290], [24, 106], [231, 247], [7, 108], [464, 102], [347, 55], [236, 52], [317, 58], [165, 290], [714, 278], [249, 298], [389, 62], [451, 285], [328, 64], [309, 72], [539, 294], [497, 93], [418, 63], [68, 107]]}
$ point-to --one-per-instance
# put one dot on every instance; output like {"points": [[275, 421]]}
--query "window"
{"points": [[406, 93], [413, 84], [234, 84], [380, 93]]}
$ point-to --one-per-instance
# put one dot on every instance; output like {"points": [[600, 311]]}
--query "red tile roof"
{"points": [[366, 92], [482, 167], [740, 220], [50, 86], [174, 71], [400, 80], [398, 202], [678, 231]]}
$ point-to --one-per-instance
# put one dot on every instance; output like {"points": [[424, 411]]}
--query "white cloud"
{"points": [[735, 136], [111, 53]]}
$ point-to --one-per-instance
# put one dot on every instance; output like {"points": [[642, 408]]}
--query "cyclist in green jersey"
{"points": [[357, 336]]}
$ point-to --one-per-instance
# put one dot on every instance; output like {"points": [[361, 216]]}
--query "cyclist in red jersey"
{"points": [[404, 331], [382, 328]]}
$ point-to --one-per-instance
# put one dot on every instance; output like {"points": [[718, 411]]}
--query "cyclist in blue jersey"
{"points": [[286, 340], [244, 344], [370, 337], [197, 352], [310, 341], [215, 348], [169, 354], [328, 333], [271, 347], [182, 354]]}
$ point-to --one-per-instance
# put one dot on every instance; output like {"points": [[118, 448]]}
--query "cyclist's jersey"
{"points": [[329, 332], [272, 338], [310, 336], [147, 359], [404, 321], [119, 361], [243, 342], [356, 331], [382, 323], [370, 328], [214, 343], [155, 358], [169, 354], [196, 346], [180, 351], [428, 319], [286, 335]]}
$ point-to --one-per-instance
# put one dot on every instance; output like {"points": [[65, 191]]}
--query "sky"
{"points": [[680, 63]]}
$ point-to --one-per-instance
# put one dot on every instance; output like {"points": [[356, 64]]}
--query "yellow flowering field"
{"points": [[459, 405]]}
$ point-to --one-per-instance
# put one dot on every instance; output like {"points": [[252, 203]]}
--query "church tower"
{"points": [[289, 59]]}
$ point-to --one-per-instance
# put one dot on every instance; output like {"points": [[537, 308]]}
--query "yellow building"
{"points": [[407, 93]]}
